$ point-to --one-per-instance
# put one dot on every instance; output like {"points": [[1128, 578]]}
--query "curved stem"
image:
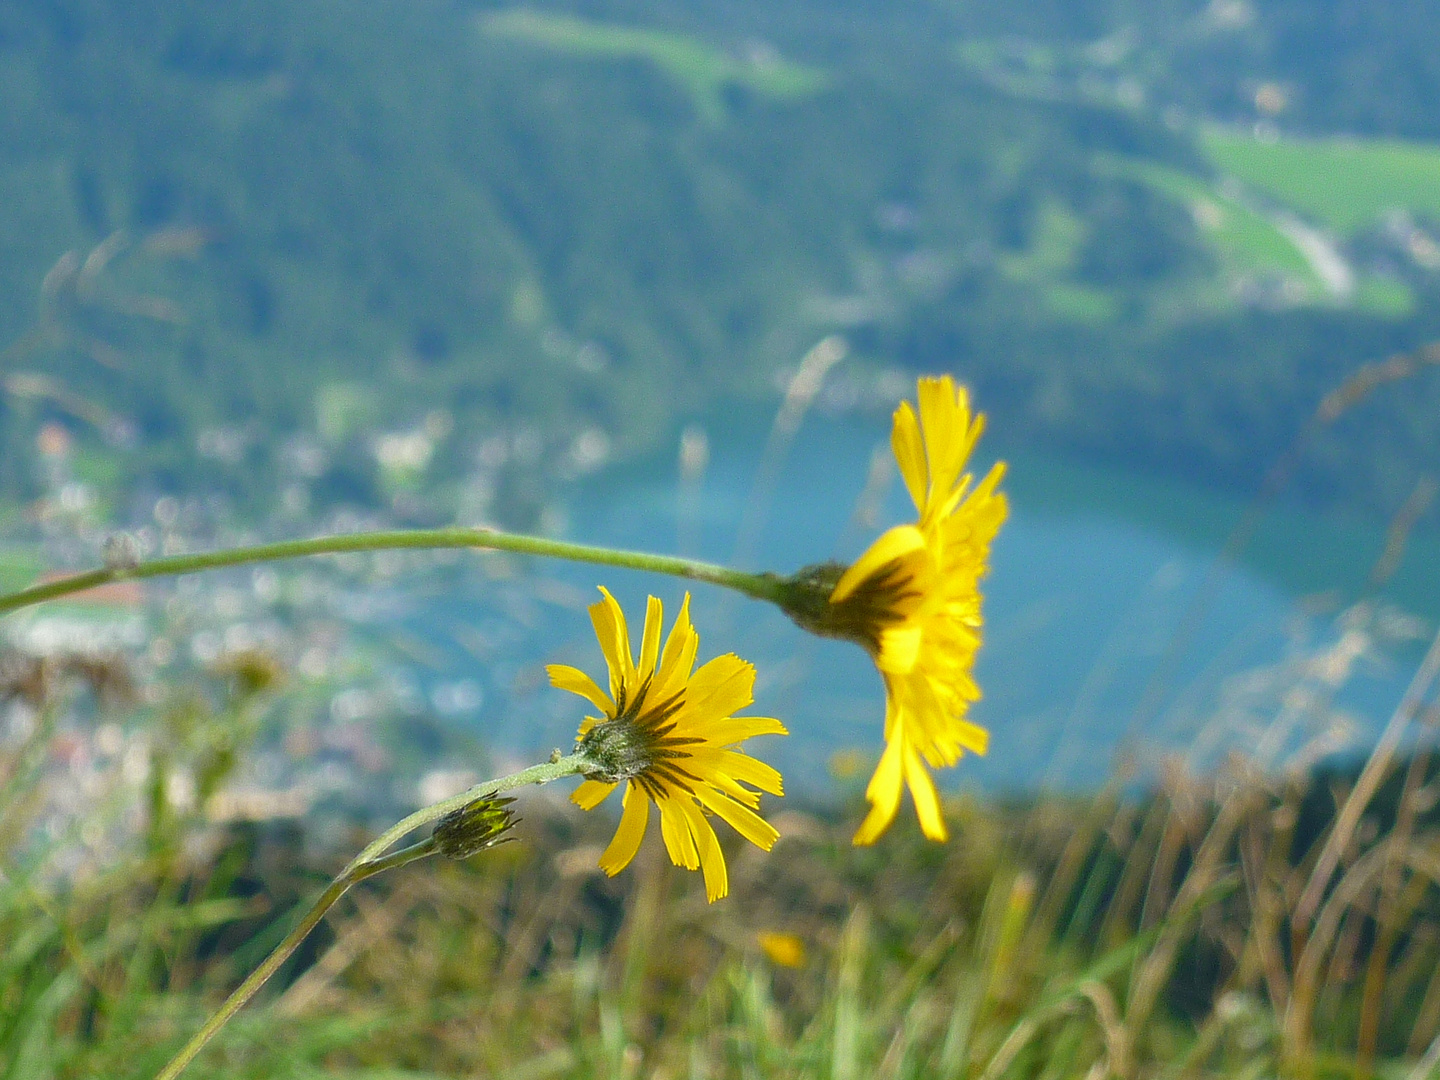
{"points": [[535, 774], [758, 586], [368, 863], [271, 964]]}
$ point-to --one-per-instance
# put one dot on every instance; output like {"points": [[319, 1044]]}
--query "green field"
{"points": [[703, 70], [1347, 184], [1245, 241]]}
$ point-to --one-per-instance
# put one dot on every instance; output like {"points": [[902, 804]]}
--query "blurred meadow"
{"points": [[656, 276]]}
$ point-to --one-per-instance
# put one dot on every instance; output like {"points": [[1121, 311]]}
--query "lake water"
{"points": [[1109, 623]]}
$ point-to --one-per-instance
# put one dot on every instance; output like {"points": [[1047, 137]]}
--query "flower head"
{"points": [[668, 732], [913, 601], [474, 827]]}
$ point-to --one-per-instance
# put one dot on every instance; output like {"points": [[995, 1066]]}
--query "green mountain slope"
{"points": [[610, 213]]}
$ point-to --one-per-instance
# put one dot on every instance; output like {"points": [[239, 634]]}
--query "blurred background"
{"points": [[656, 274]]}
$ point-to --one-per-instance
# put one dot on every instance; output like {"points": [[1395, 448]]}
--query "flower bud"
{"points": [[474, 827]]}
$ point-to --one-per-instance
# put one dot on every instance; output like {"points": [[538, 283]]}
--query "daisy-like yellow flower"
{"points": [[916, 594], [913, 601], [668, 731]]}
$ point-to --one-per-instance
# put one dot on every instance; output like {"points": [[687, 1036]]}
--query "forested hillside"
{"points": [[341, 217]]}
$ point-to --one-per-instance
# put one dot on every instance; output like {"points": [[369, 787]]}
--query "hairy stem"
{"points": [[368, 863], [570, 765], [271, 964], [758, 586]]}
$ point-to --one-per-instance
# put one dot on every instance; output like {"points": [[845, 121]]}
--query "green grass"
{"points": [[1052, 937], [703, 70], [1048, 262], [1022, 949], [1081, 304], [1385, 296], [1347, 184], [1248, 243], [1244, 241]]}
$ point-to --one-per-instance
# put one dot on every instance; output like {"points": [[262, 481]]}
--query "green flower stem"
{"points": [[367, 864], [758, 586], [261, 975], [535, 774]]}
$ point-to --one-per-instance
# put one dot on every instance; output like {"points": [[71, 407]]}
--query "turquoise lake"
{"points": [[1111, 626]]}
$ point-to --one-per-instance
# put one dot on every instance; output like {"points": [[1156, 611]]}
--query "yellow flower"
{"points": [[670, 733], [785, 950], [913, 601]]}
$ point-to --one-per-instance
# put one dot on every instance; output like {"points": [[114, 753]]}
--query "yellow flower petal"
{"points": [[909, 448], [650, 640], [896, 543], [876, 822], [736, 790], [991, 482], [565, 677], [734, 729], [591, 794], [973, 523], [742, 819], [883, 791], [949, 436], [627, 839], [678, 840], [927, 801], [972, 737], [752, 771], [614, 638], [721, 686], [712, 859], [786, 950], [899, 649], [678, 659]]}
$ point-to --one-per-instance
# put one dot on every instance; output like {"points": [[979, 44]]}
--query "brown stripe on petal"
{"points": [[639, 741], [880, 601], [886, 597]]}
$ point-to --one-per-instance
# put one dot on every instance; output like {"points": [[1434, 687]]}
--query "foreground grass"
{"points": [[1248, 922], [1164, 937]]}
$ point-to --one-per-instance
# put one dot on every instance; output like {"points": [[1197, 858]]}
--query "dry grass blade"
{"points": [[1332, 406], [1118, 1040], [1363, 876], [1365, 787], [1207, 872]]}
